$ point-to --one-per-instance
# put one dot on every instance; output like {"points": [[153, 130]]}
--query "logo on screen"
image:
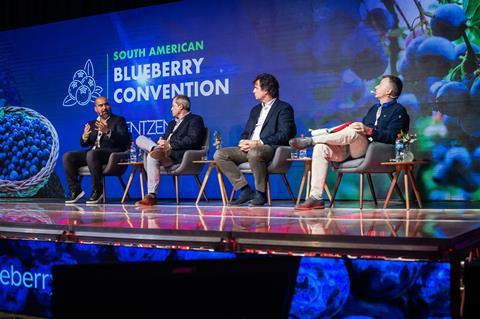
{"points": [[83, 89]]}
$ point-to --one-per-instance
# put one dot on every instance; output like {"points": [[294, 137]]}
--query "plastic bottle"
{"points": [[133, 153], [302, 153], [399, 147]]}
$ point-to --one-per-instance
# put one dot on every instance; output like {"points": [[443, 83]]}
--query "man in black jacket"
{"points": [[270, 124], [185, 132], [107, 134], [382, 123]]}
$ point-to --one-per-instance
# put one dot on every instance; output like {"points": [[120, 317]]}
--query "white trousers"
{"points": [[335, 147]]}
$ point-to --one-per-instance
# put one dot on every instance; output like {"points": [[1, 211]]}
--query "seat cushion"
{"points": [[245, 167]]}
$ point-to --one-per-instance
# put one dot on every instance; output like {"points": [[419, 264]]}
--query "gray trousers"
{"points": [[152, 166], [229, 158]]}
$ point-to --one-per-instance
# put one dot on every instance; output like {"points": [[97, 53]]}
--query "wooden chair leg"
{"points": [[335, 189], [200, 185], [175, 181], [285, 180], [372, 189], [123, 185], [361, 190], [231, 195], [269, 200], [104, 193]]}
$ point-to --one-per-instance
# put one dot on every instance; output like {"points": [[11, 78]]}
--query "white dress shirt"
{"points": [[261, 119]]}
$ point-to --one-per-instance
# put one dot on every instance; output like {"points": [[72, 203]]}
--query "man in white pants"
{"points": [[382, 123], [185, 132]]}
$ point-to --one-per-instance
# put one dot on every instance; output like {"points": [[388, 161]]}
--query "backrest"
{"points": [[206, 143], [279, 163]]}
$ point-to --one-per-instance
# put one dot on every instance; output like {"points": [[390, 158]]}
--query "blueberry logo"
{"points": [[83, 88]]}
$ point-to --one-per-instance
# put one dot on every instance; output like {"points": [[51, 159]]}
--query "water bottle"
{"points": [[302, 153], [133, 153], [399, 147]]}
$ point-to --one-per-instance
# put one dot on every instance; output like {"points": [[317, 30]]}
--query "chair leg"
{"points": [[285, 180], [200, 185], [123, 185], [361, 190], [175, 182], [268, 191], [231, 195], [372, 190], [104, 193], [335, 189]]}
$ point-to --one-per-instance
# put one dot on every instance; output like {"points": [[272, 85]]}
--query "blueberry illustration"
{"points": [[461, 50], [83, 95], [475, 92], [73, 87], [449, 21], [79, 75]]}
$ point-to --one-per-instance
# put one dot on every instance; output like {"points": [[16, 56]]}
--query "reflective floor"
{"points": [[415, 223]]}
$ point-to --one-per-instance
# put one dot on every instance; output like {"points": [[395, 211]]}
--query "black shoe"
{"points": [[245, 196], [259, 199], [97, 197], [301, 142], [75, 196]]}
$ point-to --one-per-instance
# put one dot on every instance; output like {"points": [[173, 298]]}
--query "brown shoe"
{"points": [[148, 200], [311, 203]]}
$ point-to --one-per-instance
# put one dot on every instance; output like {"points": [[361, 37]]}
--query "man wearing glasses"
{"points": [[103, 136]]}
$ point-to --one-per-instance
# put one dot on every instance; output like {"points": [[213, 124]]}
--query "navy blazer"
{"points": [[190, 135], [278, 128], [120, 137], [393, 118]]}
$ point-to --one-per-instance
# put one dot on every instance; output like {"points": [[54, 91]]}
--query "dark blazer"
{"points": [[278, 128], [120, 137], [393, 118], [190, 135]]}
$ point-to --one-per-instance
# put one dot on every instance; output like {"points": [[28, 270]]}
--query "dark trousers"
{"points": [[94, 159]]}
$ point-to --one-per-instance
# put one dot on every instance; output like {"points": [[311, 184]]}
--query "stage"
{"points": [[431, 235]]}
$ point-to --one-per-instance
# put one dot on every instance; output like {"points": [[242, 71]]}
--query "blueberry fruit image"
{"points": [[449, 21], [435, 56], [452, 98]]}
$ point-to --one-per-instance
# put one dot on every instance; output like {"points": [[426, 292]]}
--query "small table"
{"points": [[211, 165], [407, 168], [307, 175], [136, 166]]}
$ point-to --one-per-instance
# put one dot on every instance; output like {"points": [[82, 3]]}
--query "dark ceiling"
{"points": [[23, 13]]}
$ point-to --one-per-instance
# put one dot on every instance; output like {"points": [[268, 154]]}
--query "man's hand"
{"points": [[164, 144], [246, 145], [360, 128], [102, 126], [86, 132]]}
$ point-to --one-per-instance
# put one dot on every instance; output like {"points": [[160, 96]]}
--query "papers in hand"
{"points": [[322, 131]]}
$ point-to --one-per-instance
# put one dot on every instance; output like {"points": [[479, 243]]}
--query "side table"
{"points": [[407, 168]]}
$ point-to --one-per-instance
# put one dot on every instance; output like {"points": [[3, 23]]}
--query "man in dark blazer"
{"points": [[185, 132], [107, 134], [270, 124]]}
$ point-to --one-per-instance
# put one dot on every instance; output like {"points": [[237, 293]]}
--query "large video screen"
{"points": [[325, 287], [327, 56]]}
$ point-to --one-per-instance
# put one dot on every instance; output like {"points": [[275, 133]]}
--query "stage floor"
{"points": [[430, 233]]}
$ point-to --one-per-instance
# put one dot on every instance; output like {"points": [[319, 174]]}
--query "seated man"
{"points": [[382, 123], [270, 124], [185, 132], [110, 134]]}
